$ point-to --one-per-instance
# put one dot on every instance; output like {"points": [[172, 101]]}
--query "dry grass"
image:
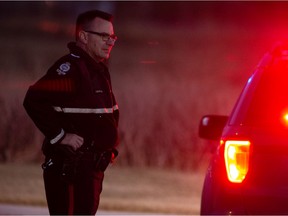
{"points": [[21, 184], [125, 189]]}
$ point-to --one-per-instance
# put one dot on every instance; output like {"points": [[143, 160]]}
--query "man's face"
{"points": [[97, 46]]}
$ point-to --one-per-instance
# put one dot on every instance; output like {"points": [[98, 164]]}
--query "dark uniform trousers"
{"points": [[79, 197]]}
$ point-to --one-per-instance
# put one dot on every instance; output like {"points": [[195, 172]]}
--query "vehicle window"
{"points": [[270, 99]]}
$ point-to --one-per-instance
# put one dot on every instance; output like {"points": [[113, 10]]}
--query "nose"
{"points": [[110, 42]]}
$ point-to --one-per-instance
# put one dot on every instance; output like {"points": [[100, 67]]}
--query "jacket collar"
{"points": [[78, 52]]}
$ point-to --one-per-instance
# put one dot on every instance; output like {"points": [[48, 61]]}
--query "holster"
{"points": [[68, 162], [104, 159], [69, 170], [63, 160]]}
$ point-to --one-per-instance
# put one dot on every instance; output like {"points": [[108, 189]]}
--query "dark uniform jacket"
{"points": [[75, 96]]}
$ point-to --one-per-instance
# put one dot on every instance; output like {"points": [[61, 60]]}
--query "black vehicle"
{"points": [[248, 173]]}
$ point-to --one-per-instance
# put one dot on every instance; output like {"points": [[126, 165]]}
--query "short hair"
{"points": [[84, 19]]}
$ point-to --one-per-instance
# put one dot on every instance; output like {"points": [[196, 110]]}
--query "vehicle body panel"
{"points": [[257, 117]]}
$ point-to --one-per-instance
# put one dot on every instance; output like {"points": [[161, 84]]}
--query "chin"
{"points": [[106, 57]]}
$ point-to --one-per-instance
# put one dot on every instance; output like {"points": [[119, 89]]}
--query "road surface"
{"points": [[9, 209]]}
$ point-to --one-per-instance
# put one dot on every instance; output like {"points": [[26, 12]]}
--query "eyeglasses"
{"points": [[105, 37]]}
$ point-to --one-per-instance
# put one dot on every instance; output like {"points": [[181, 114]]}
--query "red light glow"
{"points": [[236, 156], [285, 118]]}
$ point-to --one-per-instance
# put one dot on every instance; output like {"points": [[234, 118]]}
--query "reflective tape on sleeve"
{"points": [[58, 137], [115, 107], [85, 110]]}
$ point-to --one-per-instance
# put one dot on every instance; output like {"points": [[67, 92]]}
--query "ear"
{"points": [[83, 36]]}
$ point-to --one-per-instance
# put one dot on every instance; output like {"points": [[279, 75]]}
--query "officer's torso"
{"points": [[85, 107]]}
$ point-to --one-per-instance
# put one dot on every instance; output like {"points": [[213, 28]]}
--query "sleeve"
{"points": [[115, 110], [115, 107], [48, 92]]}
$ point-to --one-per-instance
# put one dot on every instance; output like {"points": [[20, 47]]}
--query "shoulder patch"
{"points": [[64, 68]]}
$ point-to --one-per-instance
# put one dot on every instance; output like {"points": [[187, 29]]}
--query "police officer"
{"points": [[74, 107]]}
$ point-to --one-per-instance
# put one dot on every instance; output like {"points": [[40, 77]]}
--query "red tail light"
{"points": [[236, 154], [285, 118]]}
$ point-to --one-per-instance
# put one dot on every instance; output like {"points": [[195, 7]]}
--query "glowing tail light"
{"points": [[285, 118], [236, 156]]}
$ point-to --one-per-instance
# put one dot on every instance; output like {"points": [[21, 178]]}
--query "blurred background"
{"points": [[173, 62]]}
